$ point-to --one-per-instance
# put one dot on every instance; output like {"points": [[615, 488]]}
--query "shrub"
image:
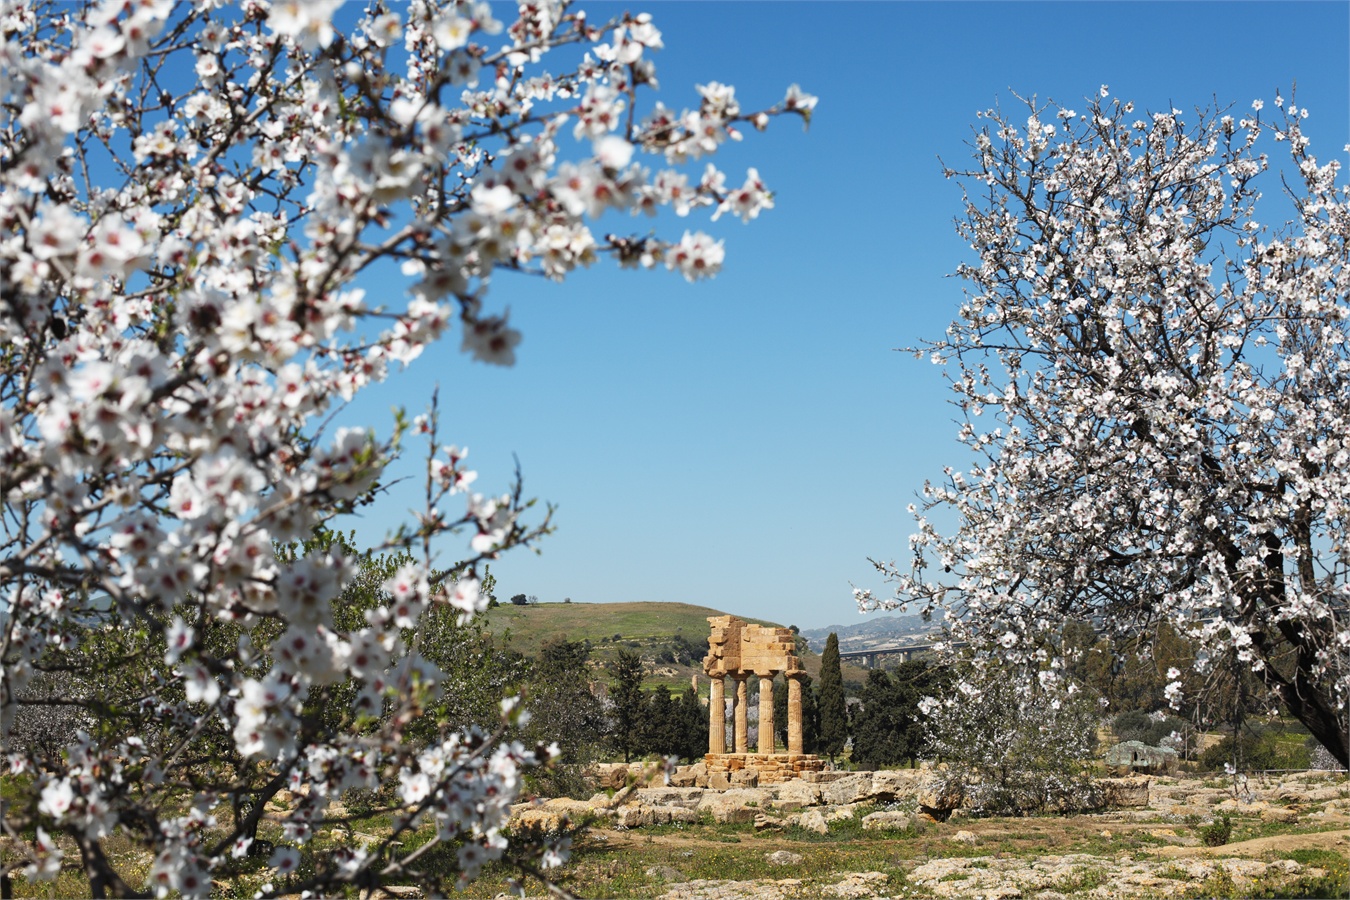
{"points": [[1217, 833], [1015, 747]]}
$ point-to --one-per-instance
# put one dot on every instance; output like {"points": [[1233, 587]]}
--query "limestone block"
{"points": [[681, 814], [671, 796], [664, 873], [724, 813], [1279, 814], [634, 816], [857, 786], [1125, 793], [894, 784], [938, 794], [683, 777], [839, 813], [755, 797], [812, 820], [892, 820], [796, 791], [763, 822], [745, 778], [718, 782], [784, 858]]}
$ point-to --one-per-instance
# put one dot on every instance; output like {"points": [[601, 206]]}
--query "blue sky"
{"points": [[748, 442]]}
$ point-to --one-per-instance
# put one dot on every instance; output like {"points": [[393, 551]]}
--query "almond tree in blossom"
{"points": [[201, 208], [1157, 386]]}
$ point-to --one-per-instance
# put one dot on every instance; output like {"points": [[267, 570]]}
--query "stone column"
{"points": [[717, 717], [794, 714], [766, 713], [742, 715]]}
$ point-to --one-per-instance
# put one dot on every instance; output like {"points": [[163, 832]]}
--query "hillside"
{"points": [[671, 638]]}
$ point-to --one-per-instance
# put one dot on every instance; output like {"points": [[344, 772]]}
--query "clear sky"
{"points": [[748, 442]]}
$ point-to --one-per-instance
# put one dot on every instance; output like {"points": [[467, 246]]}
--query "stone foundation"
{"points": [[756, 769]]}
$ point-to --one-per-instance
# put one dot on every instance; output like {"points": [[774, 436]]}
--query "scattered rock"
{"points": [[812, 820], [840, 813], [664, 873], [688, 776], [965, 837], [763, 822], [783, 858], [857, 885], [938, 794], [1279, 814], [893, 820]]}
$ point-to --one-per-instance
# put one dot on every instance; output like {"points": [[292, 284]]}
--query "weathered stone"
{"points": [[784, 858], [745, 778], [1279, 814], [1125, 793], [670, 796], [891, 785], [855, 787], [887, 820], [965, 837], [857, 885], [840, 813], [634, 816], [1129, 757], [732, 813], [664, 873], [938, 794], [764, 822], [812, 820], [719, 782], [684, 776]]}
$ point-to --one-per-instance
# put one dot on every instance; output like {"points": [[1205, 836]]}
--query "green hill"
{"points": [[671, 638]]}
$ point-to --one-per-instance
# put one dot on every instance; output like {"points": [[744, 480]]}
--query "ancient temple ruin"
{"points": [[738, 650]]}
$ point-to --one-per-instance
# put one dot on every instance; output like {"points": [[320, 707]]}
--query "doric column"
{"points": [[794, 683], [742, 715], [717, 717], [766, 713]]}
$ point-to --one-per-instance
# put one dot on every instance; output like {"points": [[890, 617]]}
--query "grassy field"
{"points": [[649, 629]]}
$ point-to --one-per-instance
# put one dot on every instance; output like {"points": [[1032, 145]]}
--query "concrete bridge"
{"points": [[872, 655]]}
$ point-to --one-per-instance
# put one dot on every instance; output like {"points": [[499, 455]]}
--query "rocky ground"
{"points": [[1148, 844]]}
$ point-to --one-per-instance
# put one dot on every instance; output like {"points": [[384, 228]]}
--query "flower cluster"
{"points": [[189, 195], [1167, 384]]}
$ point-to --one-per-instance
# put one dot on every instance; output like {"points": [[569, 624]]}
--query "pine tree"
{"points": [[833, 711]]}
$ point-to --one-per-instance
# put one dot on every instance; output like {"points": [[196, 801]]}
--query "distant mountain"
{"points": [[872, 631]]}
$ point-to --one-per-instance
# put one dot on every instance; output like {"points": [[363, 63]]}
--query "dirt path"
{"points": [[1319, 840]]}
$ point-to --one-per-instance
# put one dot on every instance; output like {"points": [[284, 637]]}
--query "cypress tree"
{"points": [[629, 704], [833, 710]]}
